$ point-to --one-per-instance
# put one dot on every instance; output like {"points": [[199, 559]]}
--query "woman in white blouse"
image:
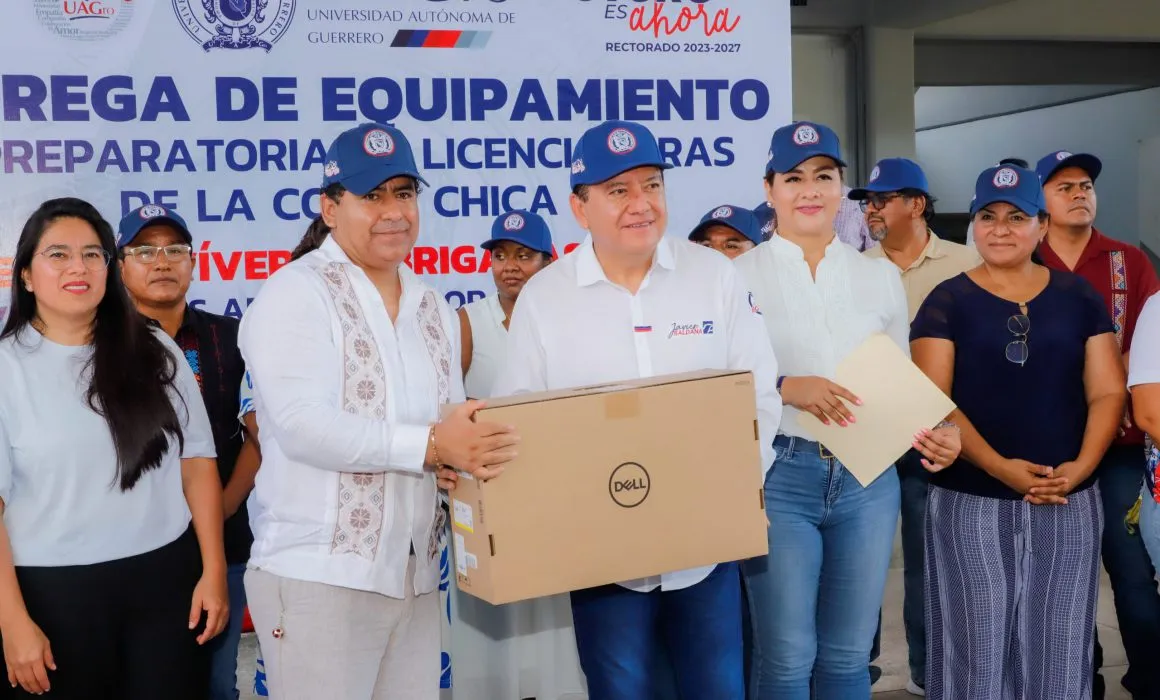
{"points": [[106, 454], [814, 600]]}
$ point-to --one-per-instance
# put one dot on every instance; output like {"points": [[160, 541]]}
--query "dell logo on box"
{"points": [[629, 485]]}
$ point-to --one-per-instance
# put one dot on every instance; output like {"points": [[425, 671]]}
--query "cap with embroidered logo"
{"points": [[1055, 161], [766, 218], [1016, 186], [740, 219], [523, 227], [796, 143], [893, 175], [150, 215], [366, 156], [611, 148]]}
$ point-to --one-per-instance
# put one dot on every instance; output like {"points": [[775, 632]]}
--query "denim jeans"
{"points": [[1133, 579], [700, 626], [1150, 527], [223, 649], [915, 482], [814, 600]]}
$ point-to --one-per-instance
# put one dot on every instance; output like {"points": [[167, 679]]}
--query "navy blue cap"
{"points": [[368, 155], [766, 218], [523, 227], [149, 215], [1016, 186], [893, 175], [611, 148], [741, 220], [1050, 163], [795, 143]]}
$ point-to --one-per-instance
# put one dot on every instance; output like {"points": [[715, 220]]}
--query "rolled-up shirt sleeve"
{"points": [[288, 346]]}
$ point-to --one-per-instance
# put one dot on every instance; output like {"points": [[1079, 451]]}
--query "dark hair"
{"points": [[770, 175], [1017, 162], [927, 202], [315, 234], [130, 368]]}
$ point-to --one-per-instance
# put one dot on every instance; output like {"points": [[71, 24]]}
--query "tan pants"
{"points": [[344, 644]]}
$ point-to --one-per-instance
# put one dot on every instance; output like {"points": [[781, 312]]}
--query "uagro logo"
{"points": [[84, 20], [629, 485], [235, 24]]}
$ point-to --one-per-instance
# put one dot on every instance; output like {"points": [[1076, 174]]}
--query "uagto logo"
{"points": [[629, 485]]}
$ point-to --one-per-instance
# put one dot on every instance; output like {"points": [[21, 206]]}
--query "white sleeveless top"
{"points": [[488, 346]]}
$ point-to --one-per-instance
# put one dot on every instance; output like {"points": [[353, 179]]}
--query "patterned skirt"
{"points": [[1011, 596]]}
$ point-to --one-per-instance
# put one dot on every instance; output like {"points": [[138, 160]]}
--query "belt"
{"points": [[796, 443]]}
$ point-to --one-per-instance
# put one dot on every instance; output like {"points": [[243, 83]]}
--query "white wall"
{"points": [[1110, 127], [1149, 188], [823, 88]]}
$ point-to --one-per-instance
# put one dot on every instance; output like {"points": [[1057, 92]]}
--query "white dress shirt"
{"points": [[58, 466], [573, 327], [320, 453], [815, 323]]}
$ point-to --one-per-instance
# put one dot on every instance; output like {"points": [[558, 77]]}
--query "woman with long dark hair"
{"points": [[106, 455]]}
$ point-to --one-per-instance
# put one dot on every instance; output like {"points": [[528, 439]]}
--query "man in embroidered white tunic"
{"points": [[631, 303], [351, 357]]}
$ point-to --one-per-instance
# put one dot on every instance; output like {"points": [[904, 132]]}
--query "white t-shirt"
{"points": [[58, 467], [1144, 367]]}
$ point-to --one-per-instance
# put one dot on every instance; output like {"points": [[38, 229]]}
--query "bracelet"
{"points": [[780, 381], [947, 424], [434, 450]]}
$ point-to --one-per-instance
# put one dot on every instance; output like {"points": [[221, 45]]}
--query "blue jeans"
{"points": [[223, 649], [1133, 579], [814, 600], [1150, 526], [617, 638]]}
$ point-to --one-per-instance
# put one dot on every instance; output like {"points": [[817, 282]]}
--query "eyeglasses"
{"points": [[61, 258], [147, 254], [878, 199], [1017, 350]]}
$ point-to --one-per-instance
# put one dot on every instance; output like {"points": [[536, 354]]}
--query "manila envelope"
{"points": [[898, 400]]}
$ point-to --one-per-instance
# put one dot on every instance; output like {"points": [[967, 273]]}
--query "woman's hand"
{"points": [[1023, 476], [1054, 494], [939, 447], [28, 656], [212, 596], [820, 397]]}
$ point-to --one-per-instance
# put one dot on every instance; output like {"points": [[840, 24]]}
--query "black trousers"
{"points": [[119, 630]]}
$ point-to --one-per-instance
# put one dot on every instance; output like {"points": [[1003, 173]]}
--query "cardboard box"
{"points": [[613, 483]]}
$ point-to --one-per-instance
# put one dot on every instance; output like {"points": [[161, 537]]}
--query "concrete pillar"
{"points": [[889, 90]]}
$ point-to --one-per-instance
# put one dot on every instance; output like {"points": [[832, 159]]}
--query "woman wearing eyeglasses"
{"points": [[1013, 527], [106, 454]]}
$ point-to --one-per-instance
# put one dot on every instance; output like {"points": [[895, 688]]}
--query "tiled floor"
{"points": [[892, 661]]}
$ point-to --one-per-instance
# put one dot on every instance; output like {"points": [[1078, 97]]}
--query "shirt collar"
{"points": [[1097, 244], [331, 251], [781, 246], [589, 271]]}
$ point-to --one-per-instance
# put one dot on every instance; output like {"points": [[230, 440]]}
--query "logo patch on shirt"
{"points": [[753, 305], [702, 328]]}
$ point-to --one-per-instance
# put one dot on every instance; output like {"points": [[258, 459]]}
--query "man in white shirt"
{"points": [[619, 307], [351, 357]]}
